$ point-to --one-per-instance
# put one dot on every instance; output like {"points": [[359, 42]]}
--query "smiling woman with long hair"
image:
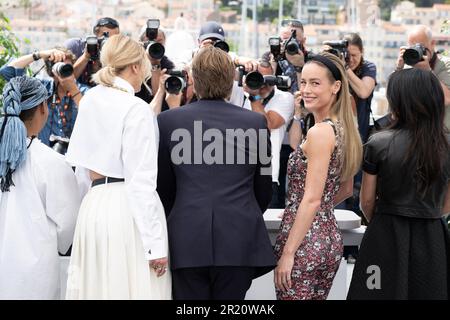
{"points": [[309, 246]]}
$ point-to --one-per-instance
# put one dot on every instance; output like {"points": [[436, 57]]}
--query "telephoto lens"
{"points": [[155, 50], [62, 69], [254, 80], [282, 82], [292, 47], [222, 45], [176, 82]]}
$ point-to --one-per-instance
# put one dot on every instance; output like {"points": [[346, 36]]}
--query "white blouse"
{"points": [[116, 135]]}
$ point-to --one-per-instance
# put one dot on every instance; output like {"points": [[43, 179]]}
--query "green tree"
{"points": [[8, 46]]}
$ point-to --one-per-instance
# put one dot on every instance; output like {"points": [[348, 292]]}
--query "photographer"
{"points": [[158, 64], [85, 64], [362, 76], [290, 64], [421, 54], [277, 106], [64, 90]]}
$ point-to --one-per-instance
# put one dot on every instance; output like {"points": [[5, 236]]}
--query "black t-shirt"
{"points": [[384, 155]]}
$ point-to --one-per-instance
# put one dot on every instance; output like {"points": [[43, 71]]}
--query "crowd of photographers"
{"points": [[268, 85]]}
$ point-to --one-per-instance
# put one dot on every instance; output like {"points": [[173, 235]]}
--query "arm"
{"points": [[274, 120], [62, 200], [318, 148], [81, 64], [362, 87], [367, 194], [50, 55], [139, 157], [295, 132], [345, 191], [157, 101], [263, 175], [446, 207]]}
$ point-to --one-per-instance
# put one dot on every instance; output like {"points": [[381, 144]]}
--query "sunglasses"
{"points": [[107, 22], [292, 23]]}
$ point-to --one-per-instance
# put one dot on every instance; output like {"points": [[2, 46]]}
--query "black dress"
{"points": [[405, 252]]}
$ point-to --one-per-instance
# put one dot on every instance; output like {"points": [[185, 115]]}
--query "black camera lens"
{"points": [[174, 84], [156, 50], [414, 54], [254, 80], [62, 69], [292, 47], [222, 45]]}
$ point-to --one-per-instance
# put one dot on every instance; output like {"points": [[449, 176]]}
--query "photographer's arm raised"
{"points": [[362, 87], [81, 64], [53, 55]]}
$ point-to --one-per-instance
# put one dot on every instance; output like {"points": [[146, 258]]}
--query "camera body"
{"points": [[154, 49], [414, 54], [275, 48], [94, 45], [176, 82], [222, 45], [339, 48], [255, 80], [59, 144], [291, 46]]}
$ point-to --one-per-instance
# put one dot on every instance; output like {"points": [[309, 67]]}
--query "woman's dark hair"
{"points": [[416, 100]]}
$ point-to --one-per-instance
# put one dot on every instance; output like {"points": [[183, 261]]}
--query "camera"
{"points": [[275, 48], [255, 80], [94, 45], [339, 48], [176, 82], [222, 45], [62, 69], [414, 54], [59, 144], [154, 49]]}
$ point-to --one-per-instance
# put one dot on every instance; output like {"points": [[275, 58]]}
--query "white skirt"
{"points": [[107, 260]]}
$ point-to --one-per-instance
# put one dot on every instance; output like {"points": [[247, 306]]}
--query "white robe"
{"points": [[37, 220]]}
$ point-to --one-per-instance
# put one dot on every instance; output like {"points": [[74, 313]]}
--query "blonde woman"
{"points": [[120, 245], [309, 246]]}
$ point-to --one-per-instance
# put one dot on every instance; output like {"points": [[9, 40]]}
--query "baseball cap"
{"points": [[211, 29], [106, 22]]}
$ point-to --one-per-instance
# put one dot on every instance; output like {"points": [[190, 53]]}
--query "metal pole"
{"points": [[280, 15], [242, 43], [255, 27], [299, 10]]}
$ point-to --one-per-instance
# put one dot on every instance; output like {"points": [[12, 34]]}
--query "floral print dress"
{"points": [[318, 257]]}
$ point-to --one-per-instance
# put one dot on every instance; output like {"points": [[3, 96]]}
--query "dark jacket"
{"points": [[214, 211]]}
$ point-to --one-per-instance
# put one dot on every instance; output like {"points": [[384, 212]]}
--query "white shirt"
{"points": [[281, 103], [37, 219], [116, 135]]}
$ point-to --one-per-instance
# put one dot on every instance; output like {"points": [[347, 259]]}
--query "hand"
{"points": [[159, 265], [283, 272], [206, 43], [162, 80], [53, 55], [248, 63], [297, 60], [297, 105], [424, 64], [400, 61]]}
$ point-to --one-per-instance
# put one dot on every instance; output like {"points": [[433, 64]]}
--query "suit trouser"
{"points": [[211, 283]]}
